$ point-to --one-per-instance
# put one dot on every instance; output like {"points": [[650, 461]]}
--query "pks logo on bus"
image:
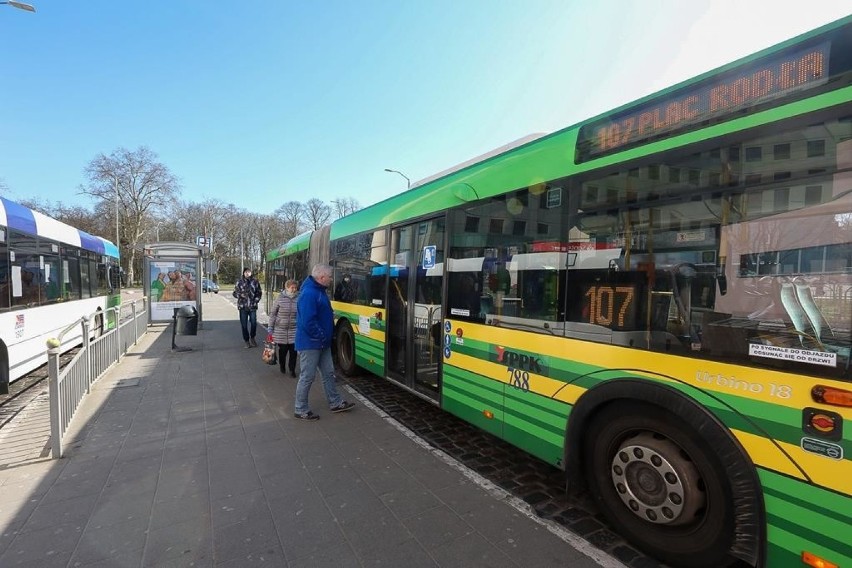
{"points": [[522, 361]]}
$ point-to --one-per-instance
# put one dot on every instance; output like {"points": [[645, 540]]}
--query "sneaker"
{"points": [[293, 374], [248, 344], [306, 416], [253, 342], [343, 407]]}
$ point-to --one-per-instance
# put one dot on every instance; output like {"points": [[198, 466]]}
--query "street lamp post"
{"points": [[407, 181], [19, 5], [158, 231], [115, 185]]}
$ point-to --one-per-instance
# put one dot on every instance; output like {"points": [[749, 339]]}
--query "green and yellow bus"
{"points": [[657, 300]]}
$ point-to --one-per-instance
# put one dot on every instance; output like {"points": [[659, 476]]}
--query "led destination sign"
{"points": [[757, 83]]}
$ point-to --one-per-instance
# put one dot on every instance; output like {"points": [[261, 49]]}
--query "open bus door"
{"points": [[413, 350]]}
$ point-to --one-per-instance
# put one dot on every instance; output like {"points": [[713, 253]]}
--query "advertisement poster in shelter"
{"points": [[173, 284]]}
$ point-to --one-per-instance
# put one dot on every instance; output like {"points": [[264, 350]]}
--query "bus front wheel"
{"points": [[660, 484], [345, 347]]}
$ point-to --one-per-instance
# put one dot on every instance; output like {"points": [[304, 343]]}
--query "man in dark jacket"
{"points": [[314, 331], [247, 292]]}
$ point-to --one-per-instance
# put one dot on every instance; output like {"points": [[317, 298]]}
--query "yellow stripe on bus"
{"points": [[763, 451], [774, 387], [362, 311], [544, 386], [823, 471]]}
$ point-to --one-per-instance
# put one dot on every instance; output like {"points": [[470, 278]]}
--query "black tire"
{"points": [[345, 349], [660, 484], [4, 369]]}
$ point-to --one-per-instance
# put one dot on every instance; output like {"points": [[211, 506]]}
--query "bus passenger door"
{"points": [[414, 306]]}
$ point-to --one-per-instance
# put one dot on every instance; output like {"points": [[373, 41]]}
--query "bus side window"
{"points": [[465, 298]]}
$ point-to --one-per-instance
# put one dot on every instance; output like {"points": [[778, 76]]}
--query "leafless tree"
{"points": [[74, 215], [270, 234], [141, 184], [343, 206], [205, 219], [290, 217], [317, 213], [42, 206], [235, 244]]}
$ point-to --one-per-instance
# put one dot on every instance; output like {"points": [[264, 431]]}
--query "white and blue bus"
{"points": [[51, 275]]}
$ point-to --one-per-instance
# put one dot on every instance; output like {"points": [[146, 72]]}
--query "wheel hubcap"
{"points": [[655, 481]]}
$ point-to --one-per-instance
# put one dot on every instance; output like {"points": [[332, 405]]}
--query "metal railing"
{"points": [[98, 353]]}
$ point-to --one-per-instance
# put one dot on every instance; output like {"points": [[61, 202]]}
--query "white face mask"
{"points": [[290, 293]]}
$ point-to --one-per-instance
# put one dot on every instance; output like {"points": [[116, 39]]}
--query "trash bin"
{"points": [[187, 320]]}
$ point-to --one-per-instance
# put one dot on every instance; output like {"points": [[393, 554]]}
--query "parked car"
{"points": [[208, 285]]}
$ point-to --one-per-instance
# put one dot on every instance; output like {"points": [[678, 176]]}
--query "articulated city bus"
{"points": [[657, 300], [51, 275]]}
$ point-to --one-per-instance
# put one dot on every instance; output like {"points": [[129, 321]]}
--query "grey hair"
{"points": [[291, 282], [321, 270]]}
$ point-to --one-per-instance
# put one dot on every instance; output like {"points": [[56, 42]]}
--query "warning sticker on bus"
{"points": [[364, 325], [790, 354]]}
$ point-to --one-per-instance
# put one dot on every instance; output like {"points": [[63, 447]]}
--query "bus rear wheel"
{"points": [[345, 347], [660, 485]]}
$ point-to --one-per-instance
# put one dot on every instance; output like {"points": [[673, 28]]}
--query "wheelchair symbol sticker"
{"points": [[430, 252]]}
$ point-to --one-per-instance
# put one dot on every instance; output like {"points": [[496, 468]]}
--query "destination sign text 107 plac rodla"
{"points": [[757, 83]]}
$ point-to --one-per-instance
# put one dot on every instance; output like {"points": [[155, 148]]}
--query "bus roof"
{"points": [[294, 245], [556, 155], [16, 216]]}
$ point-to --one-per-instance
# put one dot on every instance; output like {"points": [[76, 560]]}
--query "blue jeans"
{"points": [[247, 316], [309, 360]]}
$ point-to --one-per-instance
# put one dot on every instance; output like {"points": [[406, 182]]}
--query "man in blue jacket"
{"points": [[314, 331]]}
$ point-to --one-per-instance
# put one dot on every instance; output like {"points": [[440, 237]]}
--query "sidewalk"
{"points": [[194, 459]]}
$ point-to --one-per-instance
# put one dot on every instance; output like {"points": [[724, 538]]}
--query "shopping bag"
{"points": [[269, 355]]}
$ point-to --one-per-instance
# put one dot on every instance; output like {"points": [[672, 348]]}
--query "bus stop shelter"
{"points": [[172, 276]]}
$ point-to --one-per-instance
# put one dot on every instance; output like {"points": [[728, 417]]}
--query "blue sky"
{"points": [[259, 103]]}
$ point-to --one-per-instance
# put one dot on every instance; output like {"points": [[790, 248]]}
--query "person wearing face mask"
{"points": [[345, 290], [282, 326], [247, 292]]}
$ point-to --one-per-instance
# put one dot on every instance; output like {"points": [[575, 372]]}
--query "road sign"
{"points": [[202, 241]]}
